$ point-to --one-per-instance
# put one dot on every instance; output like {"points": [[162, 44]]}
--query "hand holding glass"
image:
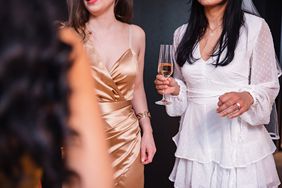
{"points": [[165, 66]]}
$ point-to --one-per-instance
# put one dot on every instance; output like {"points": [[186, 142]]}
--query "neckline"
{"points": [[112, 68], [200, 55]]}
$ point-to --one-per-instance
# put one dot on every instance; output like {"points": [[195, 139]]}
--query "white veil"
{"points": [[248, 6], [273, 126]]}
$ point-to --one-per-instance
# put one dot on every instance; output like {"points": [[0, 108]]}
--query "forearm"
{"points": [[139, 103]]}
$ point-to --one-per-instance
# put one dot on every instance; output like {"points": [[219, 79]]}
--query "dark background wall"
{"points": [[159, 19]]}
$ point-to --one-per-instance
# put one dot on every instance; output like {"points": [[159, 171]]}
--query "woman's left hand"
{"points": [[148, 148], [233, 104]]}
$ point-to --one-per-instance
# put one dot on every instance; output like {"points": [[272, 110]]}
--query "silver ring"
{"points": [[238, 105]]}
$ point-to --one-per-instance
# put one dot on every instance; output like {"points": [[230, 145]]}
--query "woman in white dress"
{"points": [[224, 86]]}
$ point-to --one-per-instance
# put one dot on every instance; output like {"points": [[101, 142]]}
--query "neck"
{"points": [[103, 21], [215, 15]]}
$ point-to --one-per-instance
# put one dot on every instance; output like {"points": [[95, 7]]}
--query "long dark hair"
{"points": [[232, 21], [79, 15], [33, 92]]}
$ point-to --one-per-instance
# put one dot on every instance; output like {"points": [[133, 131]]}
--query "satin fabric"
{"points": [[115, 89]]}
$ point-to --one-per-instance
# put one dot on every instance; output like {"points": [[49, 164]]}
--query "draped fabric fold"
{"points": [[123, 134]]}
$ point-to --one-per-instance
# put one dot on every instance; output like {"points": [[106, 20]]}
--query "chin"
{"points": [[92, 8]]}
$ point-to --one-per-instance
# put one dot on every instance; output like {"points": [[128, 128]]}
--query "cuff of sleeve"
{"points": [[182, 91], [252, 93]]}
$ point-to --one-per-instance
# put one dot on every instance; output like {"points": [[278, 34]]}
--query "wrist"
{"points": [[250, 97], [176, 90], [146, 129]]}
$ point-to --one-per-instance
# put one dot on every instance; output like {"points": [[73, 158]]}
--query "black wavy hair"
{"points": [[232, 21], [33, 92]]}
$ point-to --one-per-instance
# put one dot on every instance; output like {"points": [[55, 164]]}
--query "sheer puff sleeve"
{"points": [[178, 103], [264, 83]]}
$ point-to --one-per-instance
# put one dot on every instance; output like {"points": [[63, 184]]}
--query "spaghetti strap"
{"points": [[129, 36]]}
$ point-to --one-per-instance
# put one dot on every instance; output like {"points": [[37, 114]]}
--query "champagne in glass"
{"points": [[166, 69], [165, 66]]}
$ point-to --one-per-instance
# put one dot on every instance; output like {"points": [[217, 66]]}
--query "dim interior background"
{"points": [[159, 19]]}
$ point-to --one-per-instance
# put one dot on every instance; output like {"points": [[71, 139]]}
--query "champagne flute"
{"points": [[165, 66]]}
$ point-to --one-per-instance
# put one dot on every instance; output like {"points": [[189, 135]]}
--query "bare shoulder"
{"points": [[138, 33]]}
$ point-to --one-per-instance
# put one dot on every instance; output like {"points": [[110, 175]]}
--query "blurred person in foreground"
{"points": [[44, 106]]}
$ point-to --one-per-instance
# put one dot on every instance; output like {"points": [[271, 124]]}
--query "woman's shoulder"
{"points": [[254, 25], [137, 31], [179, 32], [138, 37], [253, 19], [253, 22], [181, 29]]}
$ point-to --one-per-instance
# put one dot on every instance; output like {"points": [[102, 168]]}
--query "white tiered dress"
{"points": [[216, 152]]}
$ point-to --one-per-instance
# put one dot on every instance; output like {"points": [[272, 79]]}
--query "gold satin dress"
{"points": [[114, 90]]}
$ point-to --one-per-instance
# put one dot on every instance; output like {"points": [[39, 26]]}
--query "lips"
{"points": [[91, 1]]}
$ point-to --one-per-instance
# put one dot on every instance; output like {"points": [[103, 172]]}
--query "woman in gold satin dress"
{"points": [[117, 52]]}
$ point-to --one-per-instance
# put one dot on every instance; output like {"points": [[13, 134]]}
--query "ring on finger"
{"points": [[238, 106]]}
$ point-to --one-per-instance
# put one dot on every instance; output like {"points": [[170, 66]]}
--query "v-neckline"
{"points": [[200, 55], [111, 69]]}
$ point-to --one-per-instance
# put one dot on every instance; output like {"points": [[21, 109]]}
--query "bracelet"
{"points": [[143, 115]]}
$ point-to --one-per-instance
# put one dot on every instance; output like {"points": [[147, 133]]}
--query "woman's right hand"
{"points": [[166, 85]]}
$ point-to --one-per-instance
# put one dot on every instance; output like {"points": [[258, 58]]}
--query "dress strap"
{"points": [[129, 37]]}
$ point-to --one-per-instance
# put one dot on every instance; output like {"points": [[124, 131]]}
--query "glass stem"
{"points": [[163, 99]]}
